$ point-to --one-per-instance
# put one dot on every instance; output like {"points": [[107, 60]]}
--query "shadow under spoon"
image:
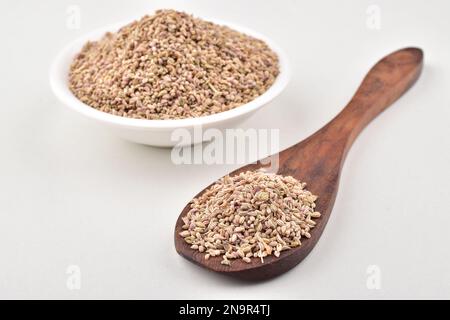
{"points": [[318, 161]]}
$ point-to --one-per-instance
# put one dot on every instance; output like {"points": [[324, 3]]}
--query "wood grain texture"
{"points": [[318, 161]]}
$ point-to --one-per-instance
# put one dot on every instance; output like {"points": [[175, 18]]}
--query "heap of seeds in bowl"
{"points": [[250, 215], [172, 66]]}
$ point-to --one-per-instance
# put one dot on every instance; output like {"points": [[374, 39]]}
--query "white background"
{"points": [[73, 194]]}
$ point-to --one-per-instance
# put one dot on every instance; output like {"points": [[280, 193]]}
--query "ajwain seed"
{"points": [[270, 224], [171, 65]]}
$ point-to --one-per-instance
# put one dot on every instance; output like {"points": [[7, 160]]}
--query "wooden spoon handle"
{"points": [[387, 81]]}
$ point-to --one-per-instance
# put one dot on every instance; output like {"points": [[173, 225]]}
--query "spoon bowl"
{"points": [[318, 161]]}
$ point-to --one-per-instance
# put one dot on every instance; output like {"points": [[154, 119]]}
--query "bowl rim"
{"points": [[59, 71]]}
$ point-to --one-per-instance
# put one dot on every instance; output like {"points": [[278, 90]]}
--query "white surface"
{"points": [[72, 194], [159, 132]]}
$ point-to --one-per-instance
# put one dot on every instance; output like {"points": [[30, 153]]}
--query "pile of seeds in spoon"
{"points": [[250, 215], [171, 66]]}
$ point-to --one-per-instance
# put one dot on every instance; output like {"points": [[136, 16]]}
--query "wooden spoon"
{"points": [[318, 160]]}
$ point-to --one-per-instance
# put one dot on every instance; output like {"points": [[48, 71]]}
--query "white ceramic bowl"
{"points": [[159, 132]]}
